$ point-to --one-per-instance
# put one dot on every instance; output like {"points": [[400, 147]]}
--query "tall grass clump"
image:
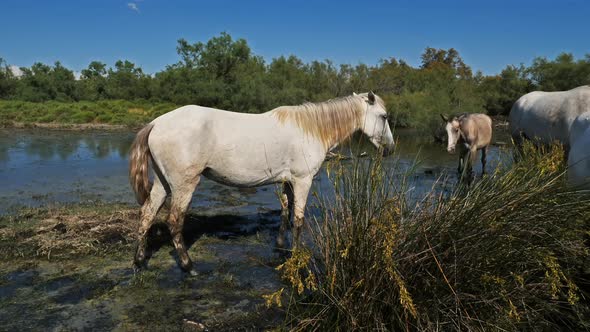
{"points": [[507, 253]]}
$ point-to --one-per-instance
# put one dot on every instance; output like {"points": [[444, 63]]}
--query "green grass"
{"points": [[115, 112], [507, 253]]}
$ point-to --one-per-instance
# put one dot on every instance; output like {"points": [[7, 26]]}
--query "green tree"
{"points": [[93, 81], [35, 83], [7, 80], [287, 81], [433, 58], [250, 89], [127, 81], [208, 73], [63, 83], [501, 91], [563, 73], [390, 76]]}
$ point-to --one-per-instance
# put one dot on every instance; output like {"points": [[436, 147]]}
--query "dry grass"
{"points": [[63, 232]]}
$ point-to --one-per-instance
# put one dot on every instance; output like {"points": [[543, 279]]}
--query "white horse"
{"points": [[579, 155], [548, 116], [286, 145]]}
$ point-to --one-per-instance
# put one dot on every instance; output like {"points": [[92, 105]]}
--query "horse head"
{"points": [[375, 124], [453, 128]]}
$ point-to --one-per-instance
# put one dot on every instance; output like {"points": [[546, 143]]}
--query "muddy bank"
{"points": [[69, 268]]}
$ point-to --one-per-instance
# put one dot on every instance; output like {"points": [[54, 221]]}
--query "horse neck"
{"points": [[330, 123], [340, 131]]}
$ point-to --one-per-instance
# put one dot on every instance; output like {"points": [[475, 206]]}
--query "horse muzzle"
{"points": [[387, 150]]}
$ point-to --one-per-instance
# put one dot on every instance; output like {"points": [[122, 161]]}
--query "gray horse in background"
{"points": [[546, 117]]}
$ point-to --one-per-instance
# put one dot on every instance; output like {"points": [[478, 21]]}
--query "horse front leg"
{"points": [[461, 167], [470, 164], [484, 152], [300, 192], [286, 212]]}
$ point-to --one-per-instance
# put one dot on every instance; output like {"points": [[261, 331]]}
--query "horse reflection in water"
{"points": [[286, 145]]}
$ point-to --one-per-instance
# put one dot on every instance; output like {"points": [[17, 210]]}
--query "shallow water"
{"points": [[230, 237], [41, 167]]}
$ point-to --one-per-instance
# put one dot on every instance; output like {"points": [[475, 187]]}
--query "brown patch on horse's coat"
{"points": [[139, 156]]}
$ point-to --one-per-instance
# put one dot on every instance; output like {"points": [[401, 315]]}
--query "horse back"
{"points": [[548, 116], [477, 129]]}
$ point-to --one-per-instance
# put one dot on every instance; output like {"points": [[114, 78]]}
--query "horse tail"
{"points": [[139, 163]]}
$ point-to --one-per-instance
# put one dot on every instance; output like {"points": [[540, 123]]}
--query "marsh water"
{"points": [[69, 267], [41, 167]]}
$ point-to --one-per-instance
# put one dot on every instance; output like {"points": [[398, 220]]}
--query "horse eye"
{"points": [[384, 116]]}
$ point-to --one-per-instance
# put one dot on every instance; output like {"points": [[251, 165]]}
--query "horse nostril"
{"points": [[388, 149]]}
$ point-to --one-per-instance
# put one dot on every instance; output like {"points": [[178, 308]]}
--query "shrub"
{"points": [[506, 253], [104, 111], [82, 117]]}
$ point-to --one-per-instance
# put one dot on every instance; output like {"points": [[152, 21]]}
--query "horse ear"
{"points": [[444, 118], [371, 98], [354, 94]]}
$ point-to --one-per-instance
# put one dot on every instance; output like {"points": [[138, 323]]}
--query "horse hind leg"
{"points": [[181, 198], [149, 210], [518, 138]]}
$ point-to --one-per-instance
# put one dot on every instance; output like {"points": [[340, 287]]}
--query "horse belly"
{"points": [[244, 177], [260, 158]]}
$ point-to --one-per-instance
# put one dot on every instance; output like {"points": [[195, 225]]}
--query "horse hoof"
{"points": [[187, 267], [139, 266], [189, 272], [279, 245], [282, 252]]}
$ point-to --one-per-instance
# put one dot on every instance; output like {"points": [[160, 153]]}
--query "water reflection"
{"points": [[40, 167], [48, 145]]}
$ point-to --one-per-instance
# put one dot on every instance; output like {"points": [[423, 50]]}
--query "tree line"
{"points": [[224, 73]]}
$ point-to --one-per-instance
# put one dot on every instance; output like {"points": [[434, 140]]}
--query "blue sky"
{"points": [[488, 34]]}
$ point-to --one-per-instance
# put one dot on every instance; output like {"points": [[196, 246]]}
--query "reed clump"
{"points": [[507, 253]]}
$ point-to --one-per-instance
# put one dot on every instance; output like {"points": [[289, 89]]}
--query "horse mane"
{"points": [[329, 121], [460, 116]]}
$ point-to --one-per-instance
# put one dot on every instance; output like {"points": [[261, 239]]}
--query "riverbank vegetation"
{"points": [[510, 253], [225, 73], [112, 112]]}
